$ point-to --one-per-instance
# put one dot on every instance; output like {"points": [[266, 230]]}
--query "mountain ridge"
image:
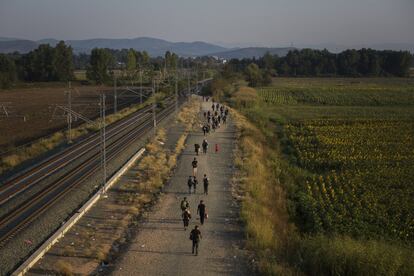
{"points": [[154, 46]]}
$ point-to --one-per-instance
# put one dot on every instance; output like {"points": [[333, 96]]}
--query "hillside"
{"points": [[154, 46], [251, 52]]}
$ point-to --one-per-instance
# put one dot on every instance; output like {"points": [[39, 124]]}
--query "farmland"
{"points": [[36, 102], [354, 143], [343, 150]]}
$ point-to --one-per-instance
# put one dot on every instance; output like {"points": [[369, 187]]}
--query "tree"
{"points": [[64, 62], [101, 60], [7, 71], [40, 64], [131, 63], [253, 75]]}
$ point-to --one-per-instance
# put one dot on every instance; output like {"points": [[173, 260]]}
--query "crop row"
{"points": [[338, 96], [361, 176]]}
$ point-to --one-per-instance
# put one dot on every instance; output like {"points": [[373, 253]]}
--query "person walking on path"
{"points": [[205, 183], [217, 148], [184, 204], [194, 164], [197, 148], [195, 182], [186, 215], [196, 237], [190, 183], [201, 210], [205, 128], [205, 146]]}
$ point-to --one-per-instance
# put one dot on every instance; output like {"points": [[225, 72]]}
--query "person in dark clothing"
{"points": [[194, 164], [196, 237], [224, 119], [197, 148], [201, 210], [190, 183], [195, 182], [205, 146], [209, 119], [205, 130], [226, 112], [186, 215], [208, 113], [217, 107], [205, 114], [205, 183], [213, 106]]}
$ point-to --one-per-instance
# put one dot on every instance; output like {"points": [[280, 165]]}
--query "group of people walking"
{"points": [[220, 114], [215, 117]]}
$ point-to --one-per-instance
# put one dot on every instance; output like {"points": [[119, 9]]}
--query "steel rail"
{"points": [[31, 209]]}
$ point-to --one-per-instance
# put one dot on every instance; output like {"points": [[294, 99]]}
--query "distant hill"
{"points": [[251, 52], [22, 46], [154, 46]]}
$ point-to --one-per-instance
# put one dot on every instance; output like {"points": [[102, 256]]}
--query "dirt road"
{"points": [[162, 247]]}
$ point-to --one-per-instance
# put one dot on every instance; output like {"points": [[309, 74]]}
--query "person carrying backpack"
{"points": [[186, 215], [190, 183], [184, 204], [202, 211], [194, 164], [205, 146], [197, 148], [195, 237], [195, 182], [205, 183]]}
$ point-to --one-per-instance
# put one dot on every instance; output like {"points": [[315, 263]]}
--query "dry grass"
{"points": [[64, 268], [264, 202]]}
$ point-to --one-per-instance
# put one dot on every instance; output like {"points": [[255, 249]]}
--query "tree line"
{"points": [[314, 63], [46, 63]]}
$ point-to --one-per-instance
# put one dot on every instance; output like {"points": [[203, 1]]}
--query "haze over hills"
{"points": [[158, 47], [154, 46], [252, 52]]}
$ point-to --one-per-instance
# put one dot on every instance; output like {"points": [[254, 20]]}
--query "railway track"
{"points": [[120, 136], [35, 174]]}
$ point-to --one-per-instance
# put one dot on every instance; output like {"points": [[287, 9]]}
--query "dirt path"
{"points": [[162, 247]]}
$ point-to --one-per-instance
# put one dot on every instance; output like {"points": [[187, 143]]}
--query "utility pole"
{"points": [[115, 96], [69, 116], [176, 92], [154, 118], [103, 140], [197, 78], [140, 87], [188, 82]]}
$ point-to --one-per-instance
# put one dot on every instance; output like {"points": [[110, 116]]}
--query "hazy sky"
{"points": [[260, 22]]}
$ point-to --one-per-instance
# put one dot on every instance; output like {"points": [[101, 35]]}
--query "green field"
{"points": [[328, 170], [353, 141]]}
